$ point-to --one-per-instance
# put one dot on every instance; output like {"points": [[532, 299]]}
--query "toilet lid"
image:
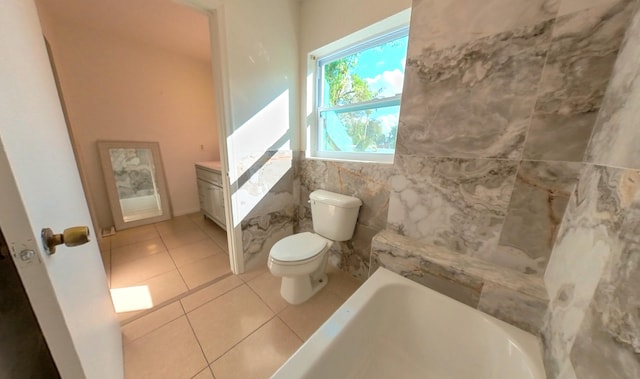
{"points": [[298, 247]]}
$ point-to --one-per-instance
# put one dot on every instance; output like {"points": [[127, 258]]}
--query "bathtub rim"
{"points": [[311, 351]]}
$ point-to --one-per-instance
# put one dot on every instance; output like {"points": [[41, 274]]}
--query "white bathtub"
{"points": [[394, 328]]}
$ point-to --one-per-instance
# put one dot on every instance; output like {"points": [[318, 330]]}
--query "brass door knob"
{"points": [[78, 235]]}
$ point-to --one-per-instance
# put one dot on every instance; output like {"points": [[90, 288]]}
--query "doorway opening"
{"points": [[23, 350]]}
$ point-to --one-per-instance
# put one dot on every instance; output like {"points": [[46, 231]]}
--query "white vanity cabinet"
{"points": [[210, 191]]}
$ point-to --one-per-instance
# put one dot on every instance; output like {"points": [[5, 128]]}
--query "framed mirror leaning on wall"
{"points": [[135, 182]]}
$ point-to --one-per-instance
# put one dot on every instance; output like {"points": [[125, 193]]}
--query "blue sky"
{"points": [[382, 68], [390, 60]]}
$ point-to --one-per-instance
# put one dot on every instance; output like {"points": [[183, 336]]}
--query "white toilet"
{"points": [[301, 259]]}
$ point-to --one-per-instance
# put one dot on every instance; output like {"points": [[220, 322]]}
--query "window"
{"points": [[357, 99]]}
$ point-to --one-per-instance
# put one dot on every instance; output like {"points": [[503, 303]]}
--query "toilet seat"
{"points": [[298, 248]]}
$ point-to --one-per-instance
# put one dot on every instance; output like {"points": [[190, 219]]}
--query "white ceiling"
{"points": [[160, 23]]}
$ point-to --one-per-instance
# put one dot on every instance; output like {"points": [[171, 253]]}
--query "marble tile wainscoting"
{"points": [[366, 181], [269, 178]]}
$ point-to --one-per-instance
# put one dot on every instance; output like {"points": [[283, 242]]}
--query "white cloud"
{"points": [[388, 121], [389, 81]]}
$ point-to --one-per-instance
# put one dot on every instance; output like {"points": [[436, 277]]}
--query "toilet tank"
{"points": [[334, 215]]}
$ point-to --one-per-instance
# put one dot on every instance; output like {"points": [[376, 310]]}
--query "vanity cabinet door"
{"points": [[205, 196], [218, 205], [210, 195]]}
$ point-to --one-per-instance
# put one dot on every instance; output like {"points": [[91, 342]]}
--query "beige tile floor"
{"points": [[207, 322], [171, 258]]}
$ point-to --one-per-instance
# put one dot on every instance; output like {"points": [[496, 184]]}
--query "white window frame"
{"points": [[390, 28]]}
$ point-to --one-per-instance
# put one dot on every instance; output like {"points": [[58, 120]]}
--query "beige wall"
{"points": [[322, 24], [118, 89]]}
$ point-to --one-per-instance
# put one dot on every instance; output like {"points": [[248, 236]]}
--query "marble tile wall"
{"points": [[494, 124], [608, 342], [579, 63], [593, 325], [474, 99], [369, 183], [535, 210], [496, 115], [509, 295], [518, 146], [273, 217], [452, 202], [592, 328], [616, 141]]}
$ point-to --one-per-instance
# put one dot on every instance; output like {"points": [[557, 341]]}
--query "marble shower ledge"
{"points": [[509, 295]]}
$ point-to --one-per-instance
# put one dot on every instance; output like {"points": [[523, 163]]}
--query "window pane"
{"points": [[371, 130], [373, 73]]}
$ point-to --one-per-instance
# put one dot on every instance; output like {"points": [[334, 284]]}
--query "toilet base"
{"points": [[298, 289]]}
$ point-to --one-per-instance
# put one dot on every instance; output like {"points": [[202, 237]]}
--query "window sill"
{"points": [[345, 160]]}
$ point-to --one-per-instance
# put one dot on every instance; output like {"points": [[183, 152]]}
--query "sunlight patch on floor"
{"points": [[131, 298]]}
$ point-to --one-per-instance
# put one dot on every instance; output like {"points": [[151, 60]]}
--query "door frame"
{"points": [[214, 10]]}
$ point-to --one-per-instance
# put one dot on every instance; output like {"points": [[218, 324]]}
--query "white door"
{"points": [[40, 188]]}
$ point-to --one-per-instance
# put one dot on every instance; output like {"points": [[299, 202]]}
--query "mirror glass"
{"points": [[134, 173], [135, 182]]}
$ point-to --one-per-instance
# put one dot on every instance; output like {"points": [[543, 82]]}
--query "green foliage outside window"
{"points": [[347, 87]]}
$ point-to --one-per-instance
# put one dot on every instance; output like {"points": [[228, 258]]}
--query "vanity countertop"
{"points": [[211, 165]]}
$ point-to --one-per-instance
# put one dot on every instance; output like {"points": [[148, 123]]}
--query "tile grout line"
{"points": [[159, 326], [178, 298], [203, 370], [208, 365], [234, 345], [260, 297], [137, 242], [203, 230], [277, 314], [167, 250], [131, 243], [289, 327], [148, 278], [112, 238], [175, 264], [136, 259], [212, 299], [241, 340], [153, 232]]}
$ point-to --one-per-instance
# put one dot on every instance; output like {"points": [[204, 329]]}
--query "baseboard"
{"points": [[183, 212]]}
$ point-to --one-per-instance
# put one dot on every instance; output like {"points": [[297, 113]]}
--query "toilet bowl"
{"points": [[301, 259]]}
